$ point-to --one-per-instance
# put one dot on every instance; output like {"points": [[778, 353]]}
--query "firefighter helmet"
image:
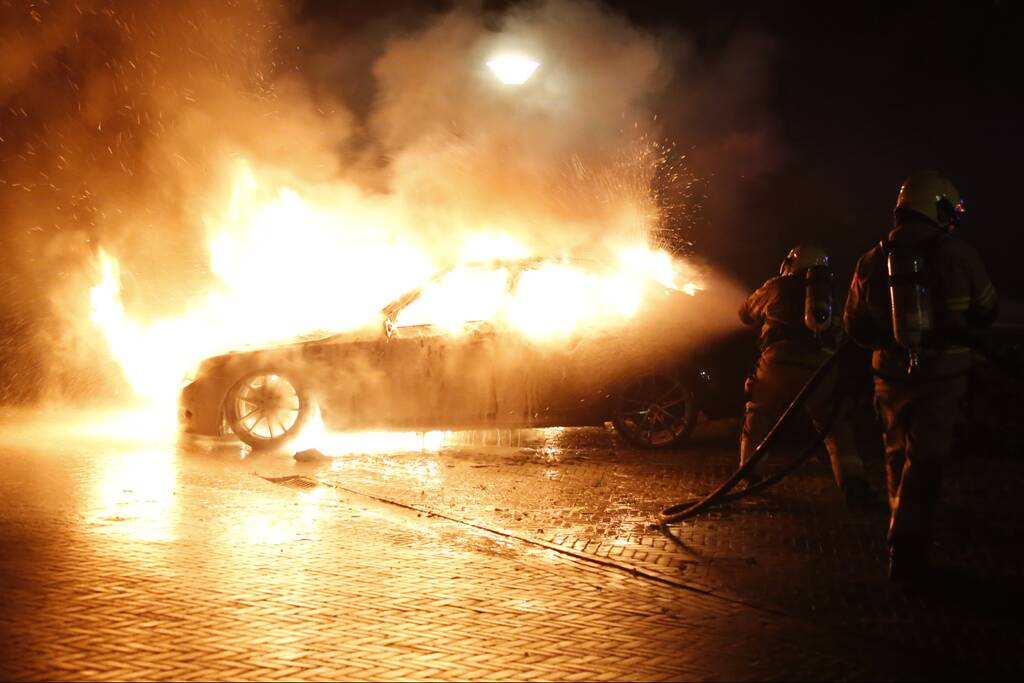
{"points": [[804, 256], [932, 195]]}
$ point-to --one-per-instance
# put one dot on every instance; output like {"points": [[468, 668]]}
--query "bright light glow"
{"points": [[289, 262], [275, 253], [558, 299], [317, 436], [491, 246], [658, 265], [512, 69], [134, 496], [463, 295]]}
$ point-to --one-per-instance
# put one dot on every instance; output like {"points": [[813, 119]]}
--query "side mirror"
{"points": [[389, 328]]}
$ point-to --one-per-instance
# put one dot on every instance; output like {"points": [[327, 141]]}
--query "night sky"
{"points": [[864, 94]]}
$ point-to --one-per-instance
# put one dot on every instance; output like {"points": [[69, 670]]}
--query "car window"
{"points": [[461, 296], [549, 299], [560, 298]]}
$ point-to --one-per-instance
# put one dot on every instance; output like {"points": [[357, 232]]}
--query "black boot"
{"points": [[910, 526]]}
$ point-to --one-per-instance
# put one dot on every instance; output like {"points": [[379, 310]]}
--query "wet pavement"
{"points": [[491, 556]]}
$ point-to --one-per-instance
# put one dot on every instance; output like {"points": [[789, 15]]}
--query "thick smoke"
{"points": [[116, 117], [458, 142], [121, 122]]}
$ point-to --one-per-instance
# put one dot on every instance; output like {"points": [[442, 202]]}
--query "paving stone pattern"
{"points": [[796, 549], [143, 564], [141, 561]]}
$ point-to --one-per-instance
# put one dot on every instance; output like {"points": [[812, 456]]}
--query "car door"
{"points": [[549, 373], [440, 352], [350, 382]]}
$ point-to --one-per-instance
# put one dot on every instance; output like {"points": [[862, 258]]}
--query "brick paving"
{"points": [[134, 560], [796, 549]]}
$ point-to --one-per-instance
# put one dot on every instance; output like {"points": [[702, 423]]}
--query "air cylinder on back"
{"points": [[911, 299], [818, 303]]}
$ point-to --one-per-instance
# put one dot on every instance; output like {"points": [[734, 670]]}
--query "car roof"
{"points": [[524, 263], [517, 264]]}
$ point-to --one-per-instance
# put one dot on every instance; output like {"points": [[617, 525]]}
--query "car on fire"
{"points": [[453, 354]]}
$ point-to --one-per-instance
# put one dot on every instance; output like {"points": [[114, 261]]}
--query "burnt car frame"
{"points": [[650, 378]]}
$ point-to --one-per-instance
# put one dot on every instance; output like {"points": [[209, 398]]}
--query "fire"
{"points": [[315, 435], [282, 268], [153, 358], [287, 263], [558, 299]]}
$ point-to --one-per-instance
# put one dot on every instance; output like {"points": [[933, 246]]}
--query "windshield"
{"points": [[462, 295]]}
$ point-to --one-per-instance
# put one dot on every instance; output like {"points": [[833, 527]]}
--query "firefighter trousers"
{"points": [[776, 380], [919, 420]]}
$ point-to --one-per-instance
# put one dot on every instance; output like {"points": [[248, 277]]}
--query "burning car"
{"points": [[533, 342]]}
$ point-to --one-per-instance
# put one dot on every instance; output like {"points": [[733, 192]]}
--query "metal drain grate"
{"points": [[294, 481]]}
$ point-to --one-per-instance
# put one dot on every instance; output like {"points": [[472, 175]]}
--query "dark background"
{"points": [[865, 94]]}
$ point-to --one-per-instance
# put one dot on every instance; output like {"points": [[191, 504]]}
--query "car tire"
{"points": [[657, 410], [266, 409]]}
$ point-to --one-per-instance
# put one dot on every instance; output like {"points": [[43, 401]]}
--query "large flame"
{"points": [[287, 264]]}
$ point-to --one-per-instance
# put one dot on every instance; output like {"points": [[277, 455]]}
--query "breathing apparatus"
{"points": [[813, 261], [818, 299], [929, 195], [818, 316], [910, 298]]}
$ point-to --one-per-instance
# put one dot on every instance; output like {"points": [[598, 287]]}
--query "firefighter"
{"points": [[913, 300], [793, 312]]}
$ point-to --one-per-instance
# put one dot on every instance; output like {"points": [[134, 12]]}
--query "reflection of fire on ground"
{"points": [[317, 441]]}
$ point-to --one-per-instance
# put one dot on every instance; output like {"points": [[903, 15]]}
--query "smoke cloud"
{"points": [[116, 116], [123, 123]]}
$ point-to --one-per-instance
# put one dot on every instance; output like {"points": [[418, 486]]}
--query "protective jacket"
{"points": [[790, 354], [919, 412], [777, 308], [963, 296]]}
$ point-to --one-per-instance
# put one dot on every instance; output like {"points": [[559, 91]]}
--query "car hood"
{"points": [[366, 333]]}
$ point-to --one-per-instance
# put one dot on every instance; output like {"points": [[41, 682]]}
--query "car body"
{"points": [[650, 374]]}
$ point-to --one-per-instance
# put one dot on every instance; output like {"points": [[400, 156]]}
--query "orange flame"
{"points": [[287, 265]]}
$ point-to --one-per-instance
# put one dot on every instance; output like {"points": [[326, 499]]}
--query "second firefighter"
{"points": [[794, 314]]}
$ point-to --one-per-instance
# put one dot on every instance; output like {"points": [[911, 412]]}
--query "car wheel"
{"points": [[266, 409], [656, 411]]}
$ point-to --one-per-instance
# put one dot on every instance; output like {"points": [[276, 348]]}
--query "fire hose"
{"points": [[686, 510]]}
